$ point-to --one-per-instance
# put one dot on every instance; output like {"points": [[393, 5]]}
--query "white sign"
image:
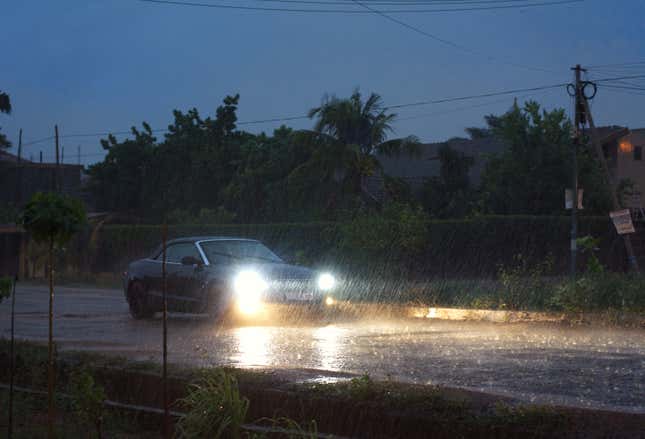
{"points": [[568, 198], [623, 221]]}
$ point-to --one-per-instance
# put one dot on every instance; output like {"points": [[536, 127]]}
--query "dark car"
{"points": [[216, 274]]}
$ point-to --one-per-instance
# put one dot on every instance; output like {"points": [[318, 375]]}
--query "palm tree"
{"points": [[351, 132]]}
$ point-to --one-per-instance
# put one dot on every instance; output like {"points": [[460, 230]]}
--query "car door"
{"points": [[182, 278]]}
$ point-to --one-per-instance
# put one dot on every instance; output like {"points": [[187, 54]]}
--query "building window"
{"points": [[638, 153]]}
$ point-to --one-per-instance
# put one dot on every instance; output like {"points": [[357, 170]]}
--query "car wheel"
{"points": [[138, 300]]}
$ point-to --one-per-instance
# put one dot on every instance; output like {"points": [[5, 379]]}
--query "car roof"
{"points": [[209, 238]]}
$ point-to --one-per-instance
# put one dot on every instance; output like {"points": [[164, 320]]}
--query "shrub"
{"points": [[215, 408], [87, 400], [601, 291], [523, 286]]}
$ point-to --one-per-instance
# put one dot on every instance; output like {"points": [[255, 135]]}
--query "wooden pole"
{"points": [[12, 355], [633, 262], [164, 288], [574, 177], [19, 172], [56, 179], [50, 350]]}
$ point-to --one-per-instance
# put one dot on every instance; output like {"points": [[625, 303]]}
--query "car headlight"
{"points": [[249, 282], [248, 287], [326, 282]]}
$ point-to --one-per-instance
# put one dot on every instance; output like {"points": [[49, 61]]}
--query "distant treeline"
{"points": [[210, 171]]}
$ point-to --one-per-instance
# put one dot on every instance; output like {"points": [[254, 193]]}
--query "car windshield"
{"points": [[225, 250]]}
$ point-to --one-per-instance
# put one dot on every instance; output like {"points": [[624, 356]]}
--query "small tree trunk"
{"points": [[50, 349]]}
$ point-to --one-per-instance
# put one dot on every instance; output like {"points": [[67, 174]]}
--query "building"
{"points": [[415, 170], [623, 149], [19, 180]]}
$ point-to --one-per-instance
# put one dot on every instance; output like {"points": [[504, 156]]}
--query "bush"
{"points": [[600, 292], [215, 408], [87, 400]]}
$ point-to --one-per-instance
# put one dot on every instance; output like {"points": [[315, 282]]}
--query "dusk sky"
{"points": [[96, 66]]}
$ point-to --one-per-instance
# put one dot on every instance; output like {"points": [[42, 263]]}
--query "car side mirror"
{"points": [[190, 260]]}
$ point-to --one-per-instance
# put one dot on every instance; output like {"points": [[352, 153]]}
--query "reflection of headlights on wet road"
{"points": [[249, 287], [326, 282]]}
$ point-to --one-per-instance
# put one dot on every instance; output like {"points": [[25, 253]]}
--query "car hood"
{"points": [[271, 271]]}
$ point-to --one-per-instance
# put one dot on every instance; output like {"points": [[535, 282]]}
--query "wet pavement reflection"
{"points": [[595, 367]]}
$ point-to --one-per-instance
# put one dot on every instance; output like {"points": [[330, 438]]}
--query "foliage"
{"points": [[53, 218], [523, 286], [204, 216], [5, 287], [450, 194], [215, 408], [398, 230], [5, 107], [350, 132], [87, 399], [590, 245], [601, 292], [530, 176]]}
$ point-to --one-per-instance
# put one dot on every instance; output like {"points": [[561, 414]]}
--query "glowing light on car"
{"points": [[326, 282], [249, 287], [329, 301]]}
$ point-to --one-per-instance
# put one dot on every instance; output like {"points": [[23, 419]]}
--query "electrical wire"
{"points": [[352, 11], [445, 41], [291, 118]]}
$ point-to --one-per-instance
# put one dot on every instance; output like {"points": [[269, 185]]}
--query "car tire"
{"points": [[138, 301]]}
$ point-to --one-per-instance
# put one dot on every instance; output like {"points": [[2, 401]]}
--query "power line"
{"points": [[445, 41], [469, 107], [620, 78], [625, 87], [399, 3], [484, 95], [352, 11], [291, 118]]}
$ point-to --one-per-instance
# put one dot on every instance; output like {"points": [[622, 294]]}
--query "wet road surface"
{"points": [[600, 368]]}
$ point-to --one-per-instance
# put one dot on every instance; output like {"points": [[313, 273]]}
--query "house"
{"points": [[19, 180], [415, 170], [623, 149]]}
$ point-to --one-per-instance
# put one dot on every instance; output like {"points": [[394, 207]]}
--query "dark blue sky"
{"points": [[93, 66]]}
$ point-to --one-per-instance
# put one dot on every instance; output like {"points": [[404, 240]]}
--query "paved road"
{"points": [[573, 366]]}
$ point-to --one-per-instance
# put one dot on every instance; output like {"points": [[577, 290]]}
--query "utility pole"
{"points": [[56, 171], [78, 154], [574, 175], [19, 171], [164, 287], [584, 112], [41, 156]]}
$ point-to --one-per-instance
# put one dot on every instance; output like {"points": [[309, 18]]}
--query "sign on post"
{"points": [[622, 221]]}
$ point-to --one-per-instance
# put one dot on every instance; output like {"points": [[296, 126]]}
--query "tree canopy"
{"points": [[208, 170], [5, 107]]}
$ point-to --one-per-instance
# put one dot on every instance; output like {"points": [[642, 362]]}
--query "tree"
{"points": [[5, 107], [351, 132], [450, 194], [52, 219], [531, 174]]}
